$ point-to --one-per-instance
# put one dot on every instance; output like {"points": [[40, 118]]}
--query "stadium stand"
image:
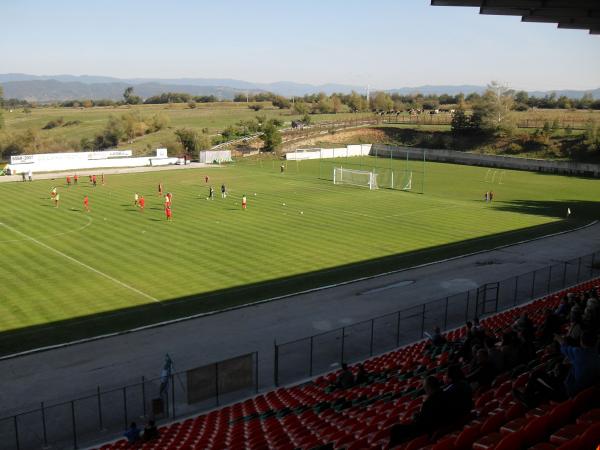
{"points": [[517, 408]]}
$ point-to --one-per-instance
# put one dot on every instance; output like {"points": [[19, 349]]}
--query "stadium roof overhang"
{"points": [[574, 14]]}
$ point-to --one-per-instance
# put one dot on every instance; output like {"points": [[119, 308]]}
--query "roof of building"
{"points": [[574, 14]]}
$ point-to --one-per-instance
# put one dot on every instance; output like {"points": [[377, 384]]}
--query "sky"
{"points": [[382, 43]]}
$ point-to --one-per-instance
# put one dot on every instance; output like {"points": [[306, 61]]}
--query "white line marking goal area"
{"points": [[82, 264]]}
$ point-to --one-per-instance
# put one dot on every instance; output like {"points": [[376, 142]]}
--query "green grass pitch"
{"points": [[67, 274]]}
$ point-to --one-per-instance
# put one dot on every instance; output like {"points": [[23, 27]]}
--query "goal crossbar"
{"points": [[363, 178]]}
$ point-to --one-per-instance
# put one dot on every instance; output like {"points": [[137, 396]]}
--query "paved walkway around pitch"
{"points": [[105, 171], [72, 371]]}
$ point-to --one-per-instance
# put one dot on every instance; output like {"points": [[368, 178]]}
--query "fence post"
{"points": [[125, 405], [533, 285], [446, 315], [310, 367], [44, 426], [144, 395], [578, 268], [16, 426], [372, 325], [343, 339], [276, 364], [256, 370], [100, 423], [74, 426], [467, 305], [217, 382], [398, 331], [423, 321], [173, 393]]}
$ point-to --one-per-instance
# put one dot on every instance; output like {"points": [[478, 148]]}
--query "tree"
{"points": [[111, 135], [188, 139], [494, 109], [460, 121], [301, 107], [382, 102], [1, 107], [271, 137], [129, 98], [357, 102]]}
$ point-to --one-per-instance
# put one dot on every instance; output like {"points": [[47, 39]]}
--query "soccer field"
{"points": [[68, 274]]}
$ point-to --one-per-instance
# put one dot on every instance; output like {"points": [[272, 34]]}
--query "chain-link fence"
{"points": [[107, 413], [323, 352]]}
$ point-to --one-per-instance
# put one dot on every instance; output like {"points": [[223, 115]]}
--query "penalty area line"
{"points": [[82, 264]]}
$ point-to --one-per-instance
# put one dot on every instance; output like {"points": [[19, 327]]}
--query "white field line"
{"points": [[76, 261], [55, 234], [284, 296]]}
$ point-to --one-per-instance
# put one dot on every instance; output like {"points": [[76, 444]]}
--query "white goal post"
{"points": [[354, 177]]}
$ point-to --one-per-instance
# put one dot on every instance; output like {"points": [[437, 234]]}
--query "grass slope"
{"points": [[67, 274]]}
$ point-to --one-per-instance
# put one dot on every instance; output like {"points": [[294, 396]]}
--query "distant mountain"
{"points": [[46, 88], [53, 90], [438, 90]]}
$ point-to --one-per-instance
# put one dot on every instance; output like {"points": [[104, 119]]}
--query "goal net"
{"points": [[355, 177]]}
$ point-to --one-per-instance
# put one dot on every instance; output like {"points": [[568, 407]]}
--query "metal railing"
{"points": [[106, 414], [323, 352]]}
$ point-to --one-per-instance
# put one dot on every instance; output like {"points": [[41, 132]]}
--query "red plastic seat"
{"points": [[513, 441], [466, 438]]}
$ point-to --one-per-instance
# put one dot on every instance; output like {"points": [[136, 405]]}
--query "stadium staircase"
{"points": [[314, 415]]}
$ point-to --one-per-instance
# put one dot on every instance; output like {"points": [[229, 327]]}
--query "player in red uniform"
{"points": [[94, 181], [168, 212], [141, 202], [68, 180], [86, 203], [75, 179], [206, 179]]}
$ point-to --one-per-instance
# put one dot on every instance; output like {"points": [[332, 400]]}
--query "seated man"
{"points": [[433, 414], [150, 431], [459, 393], [133, 433], [346, 378], [483, 372]]}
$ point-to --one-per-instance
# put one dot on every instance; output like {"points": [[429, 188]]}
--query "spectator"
{"points": [[591, 314], [510, 349], [524, 325], [150, 431], [437, 339], [133, 433], [494, 354], [361, 376], [544, 385], [432, 415], [459, 393], [573, 336], [483, 371], [585, 363], [346, 378], [563, 308], [550, 327]]}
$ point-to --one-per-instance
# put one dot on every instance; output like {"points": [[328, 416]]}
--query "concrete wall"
{"points": [[505, 162]]}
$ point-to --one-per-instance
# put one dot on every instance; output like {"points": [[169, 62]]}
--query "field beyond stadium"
{"points": [[68, 274]]}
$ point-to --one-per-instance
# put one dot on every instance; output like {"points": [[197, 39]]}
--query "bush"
{"points": [[54, 124]]}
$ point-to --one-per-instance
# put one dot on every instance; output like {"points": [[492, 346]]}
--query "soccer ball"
{"points": [[283, 204], [255, 193], [301, 212], [206, 198]]}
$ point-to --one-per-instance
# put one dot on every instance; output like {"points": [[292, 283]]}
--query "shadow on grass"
{"points": [[14, 341], [579, 209]]}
